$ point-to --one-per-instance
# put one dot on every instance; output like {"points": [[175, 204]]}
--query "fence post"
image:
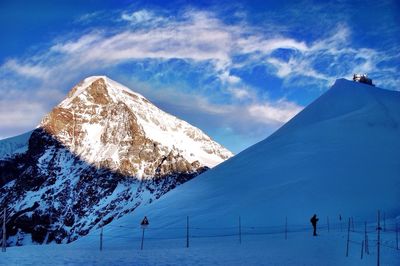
{"points": [[4, 245], [362, 249], [348, 239], [101, 238], [379, 239], [397, 236], [327, 219], [240, 231], [366, 238], [286, 228], [187, 231], [141, 246]]}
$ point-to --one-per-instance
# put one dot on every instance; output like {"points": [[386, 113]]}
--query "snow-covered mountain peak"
{"points": [[98, 155], [345, 99], [100, 89], [102, 121]]}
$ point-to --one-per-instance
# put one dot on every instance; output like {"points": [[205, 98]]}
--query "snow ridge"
{"points": [[14, 145], [339, 156]]}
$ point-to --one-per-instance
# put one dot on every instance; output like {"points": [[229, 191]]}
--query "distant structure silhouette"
{"points": [[314, 221], [362, 78]]}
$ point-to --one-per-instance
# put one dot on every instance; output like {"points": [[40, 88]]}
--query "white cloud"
{"points": [[139, 16], [266, 46], [240, 93], [26, 69], [278, 112], [200, 36], [82, 44], [296, 67], [89, 17], [254, 117], [22, 113], [196, 36], [226, 77]]}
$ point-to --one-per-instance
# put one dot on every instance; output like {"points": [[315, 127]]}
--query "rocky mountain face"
{"points": [[98, 155]]}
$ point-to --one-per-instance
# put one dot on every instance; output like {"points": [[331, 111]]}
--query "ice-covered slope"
{"points": [[339, 156], [14, 145]]}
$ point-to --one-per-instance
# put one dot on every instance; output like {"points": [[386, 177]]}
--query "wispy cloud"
{"points": [[196, 37], [200, 36], [89, 17], [141, 16], [251, 117], [278, 112], [34, 70]]}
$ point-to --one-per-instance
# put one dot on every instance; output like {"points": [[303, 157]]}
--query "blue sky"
{"points": [[237, 70]]}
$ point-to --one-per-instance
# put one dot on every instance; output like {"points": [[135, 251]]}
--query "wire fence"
{"points": [[367, 236], [359, 233]]}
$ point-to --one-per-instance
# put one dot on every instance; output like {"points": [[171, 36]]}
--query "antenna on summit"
{"points": [[363, 78]]}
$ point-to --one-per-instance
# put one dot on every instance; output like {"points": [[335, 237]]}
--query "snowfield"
{"points": [[300, 248]]}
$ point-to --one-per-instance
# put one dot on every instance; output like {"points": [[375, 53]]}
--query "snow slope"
{"points": [[14, 145], [339, 156], [298, 249]]}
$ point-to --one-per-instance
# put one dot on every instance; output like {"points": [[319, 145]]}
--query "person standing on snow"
{"points": [[314, 221]]}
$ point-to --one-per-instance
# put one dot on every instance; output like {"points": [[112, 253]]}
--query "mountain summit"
{"points": [[98, 155], [110, 126]]}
